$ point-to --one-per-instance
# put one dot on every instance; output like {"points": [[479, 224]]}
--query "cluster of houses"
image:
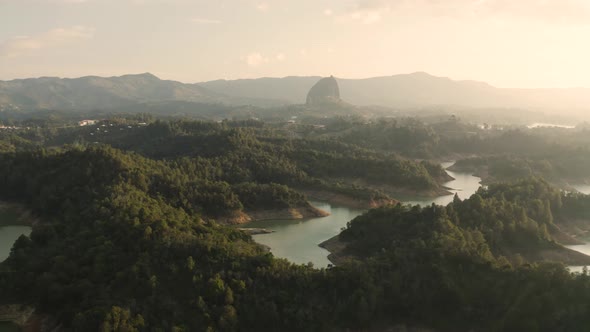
{"points": [[2, 127], [104, 127], [87, 123]]}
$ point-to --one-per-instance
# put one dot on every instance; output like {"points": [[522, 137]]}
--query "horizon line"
{"points": [[293, 76]]}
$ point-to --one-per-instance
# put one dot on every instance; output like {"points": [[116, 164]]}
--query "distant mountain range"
{"points": [[399, 91], [408, 91], [92, 92]]}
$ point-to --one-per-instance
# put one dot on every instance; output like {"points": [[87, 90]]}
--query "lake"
{"points": [[583, 188], [464, 185], [583, 248], [9, 234], [298, 240]]}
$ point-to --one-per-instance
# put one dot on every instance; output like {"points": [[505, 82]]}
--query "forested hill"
{"points": [[189, 185], [102, 93], [495, 153], [253, 152], [129, 236], [110, 254], [409, 91], [470, 266], [514, 221]]}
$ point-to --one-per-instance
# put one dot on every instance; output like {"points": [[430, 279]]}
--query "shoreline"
{"points": [[562, 183], [296, 213], [346, 200], [561, 254], [335, 247], [573, 230], [256, 230]]}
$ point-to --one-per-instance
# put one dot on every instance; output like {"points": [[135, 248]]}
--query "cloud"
{"points": [[328, 12], [200, 20], [255, 59], [551, 11], [23, 45], [367, 11], [563, 11]]}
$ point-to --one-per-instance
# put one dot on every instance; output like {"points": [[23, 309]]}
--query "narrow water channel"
{"points": [[298, 240], [583, 248], [464, 185]]}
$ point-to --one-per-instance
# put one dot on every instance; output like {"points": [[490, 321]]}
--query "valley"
{"points": [[265, 216], [294, 166]]}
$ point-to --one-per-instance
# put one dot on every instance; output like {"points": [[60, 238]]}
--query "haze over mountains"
{"points": [[92, 92], [399, 91], [408, 91]]}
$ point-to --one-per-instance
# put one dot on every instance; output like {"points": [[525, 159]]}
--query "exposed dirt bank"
{"points": [[244, 217], [336, 249], [345, 200]]}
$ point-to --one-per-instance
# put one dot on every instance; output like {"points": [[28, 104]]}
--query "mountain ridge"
{"points": [[414, 90], [96, 92]]}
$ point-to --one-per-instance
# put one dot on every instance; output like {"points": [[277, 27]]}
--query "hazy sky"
{"points": [[508, 43]]}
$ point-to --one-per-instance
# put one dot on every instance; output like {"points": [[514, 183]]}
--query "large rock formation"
{"points": [[324, 91]]}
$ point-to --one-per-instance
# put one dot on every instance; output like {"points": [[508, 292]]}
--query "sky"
{"points": [[507, 43]]}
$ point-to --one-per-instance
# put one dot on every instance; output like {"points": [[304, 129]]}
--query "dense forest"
{"points": [[467, 266], [113, 253], [497, 153], [508, 220], [129, 237], [250, 151]]}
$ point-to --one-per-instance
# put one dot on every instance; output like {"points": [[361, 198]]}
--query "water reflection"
{"points": [[464, 185], [584, 249], [297, 240]]}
